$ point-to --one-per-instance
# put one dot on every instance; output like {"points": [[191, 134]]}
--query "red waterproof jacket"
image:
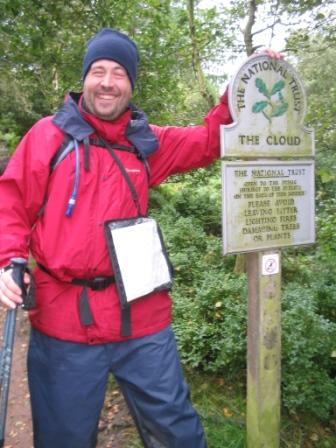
{"points": [[74, 246]]}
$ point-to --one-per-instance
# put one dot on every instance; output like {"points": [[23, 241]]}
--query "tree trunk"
{"points": [[248, 35], [196, 59]]}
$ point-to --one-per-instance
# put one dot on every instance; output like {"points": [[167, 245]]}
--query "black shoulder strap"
{"points": [[100, 142], [133, 149], [67, 146], [60, 153], [125, 175]]}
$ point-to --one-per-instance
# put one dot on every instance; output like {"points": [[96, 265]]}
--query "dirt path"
{"points": [[116, 427]]}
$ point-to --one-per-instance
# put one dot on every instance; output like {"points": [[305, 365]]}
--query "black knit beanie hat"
{"points": [[112, 44]]}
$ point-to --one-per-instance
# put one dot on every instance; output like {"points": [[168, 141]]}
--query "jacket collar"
{"points": [[133, 124], [69, 119]]}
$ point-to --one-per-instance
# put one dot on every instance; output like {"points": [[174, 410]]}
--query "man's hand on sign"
{"points": [[271, 53]]}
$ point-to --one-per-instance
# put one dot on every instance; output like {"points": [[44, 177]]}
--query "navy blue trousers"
{"points": [[68, 382]]}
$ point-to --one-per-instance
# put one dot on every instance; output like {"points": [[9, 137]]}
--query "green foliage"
{"points": [[309, 330], [42, 45], [317, 64], [211, 335], [326, 223], [314, 66], [308, 342], [301, 6], [309, 300], [9, 140]]}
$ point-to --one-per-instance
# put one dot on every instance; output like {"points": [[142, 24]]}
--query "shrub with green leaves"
{"points": [[309, 340], [211, 328]]}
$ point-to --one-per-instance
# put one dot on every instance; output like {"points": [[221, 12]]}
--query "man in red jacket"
{"points": [[55, 204]]}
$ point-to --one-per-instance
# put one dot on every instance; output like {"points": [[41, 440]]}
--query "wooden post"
{"points": [[264, 350]]}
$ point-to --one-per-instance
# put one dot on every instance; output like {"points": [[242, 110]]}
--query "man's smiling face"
{"points": [[107, 89]]}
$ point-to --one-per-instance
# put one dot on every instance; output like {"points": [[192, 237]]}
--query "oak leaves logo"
{"points": [[271, 107]]}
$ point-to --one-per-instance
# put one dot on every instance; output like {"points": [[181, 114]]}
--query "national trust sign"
{"points": [[268, 190], [268, 105]]}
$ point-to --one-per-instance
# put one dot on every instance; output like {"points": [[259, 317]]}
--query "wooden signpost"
{"points": [[268, 203]]}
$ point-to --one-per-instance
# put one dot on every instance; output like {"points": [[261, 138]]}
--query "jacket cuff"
{"points": [[224, 99]]}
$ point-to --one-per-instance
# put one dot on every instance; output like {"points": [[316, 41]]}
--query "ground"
{"points": [[115, 428]]}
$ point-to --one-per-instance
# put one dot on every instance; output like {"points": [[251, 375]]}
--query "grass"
{"points": [[222, 407], [222, 410]]}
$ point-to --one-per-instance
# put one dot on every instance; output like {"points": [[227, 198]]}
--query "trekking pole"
{"points": [[5, 368], [19, 266]]}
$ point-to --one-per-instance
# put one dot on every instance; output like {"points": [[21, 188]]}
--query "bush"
{"points": [[9, 140], [309, 340], [211, 327]]}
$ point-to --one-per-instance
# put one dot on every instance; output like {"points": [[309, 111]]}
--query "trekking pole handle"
{"points": [[18, 269]]}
